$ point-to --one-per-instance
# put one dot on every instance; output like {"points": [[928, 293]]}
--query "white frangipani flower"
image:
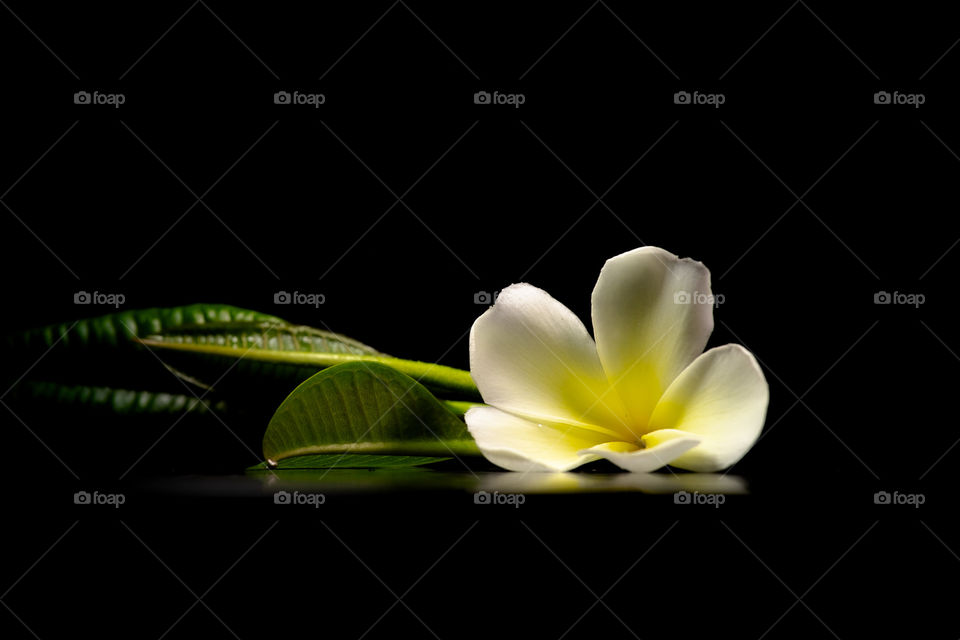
{"points": [[643, 395]]}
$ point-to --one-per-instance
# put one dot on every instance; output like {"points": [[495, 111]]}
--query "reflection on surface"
{"points": [[346, 481], [421, 479], [596, 483]]}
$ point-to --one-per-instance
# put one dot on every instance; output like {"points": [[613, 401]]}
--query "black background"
{"points": [[399, 199]]}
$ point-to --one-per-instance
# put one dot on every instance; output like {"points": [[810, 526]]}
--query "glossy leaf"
{"points": [[364, 408], [104, 351], [272, 335], [257, 359], [107, 351], [125, 402], [121, 329]]}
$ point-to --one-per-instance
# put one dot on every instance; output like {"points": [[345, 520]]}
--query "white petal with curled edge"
{"points": [[722, 397], [531, 356], [652, 315], [517, 444], [661, 448]]}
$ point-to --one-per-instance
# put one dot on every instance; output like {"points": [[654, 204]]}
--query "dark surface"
{"points": [[803, 197]]}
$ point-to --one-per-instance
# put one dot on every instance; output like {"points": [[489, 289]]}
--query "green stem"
{"points": [[460, 407], [448, 379]]}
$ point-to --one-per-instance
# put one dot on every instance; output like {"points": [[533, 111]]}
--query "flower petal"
{"points": [[660, 450], [517, 444], [531, 356], [652, 315], [721, 397]]}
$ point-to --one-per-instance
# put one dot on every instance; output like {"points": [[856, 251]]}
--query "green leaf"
{"points": [[125, 402], [272, 359], [105, 350], [348, 461], [108, 351], [273, 335], [214, 354], [122, 329], [364, 408]]}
